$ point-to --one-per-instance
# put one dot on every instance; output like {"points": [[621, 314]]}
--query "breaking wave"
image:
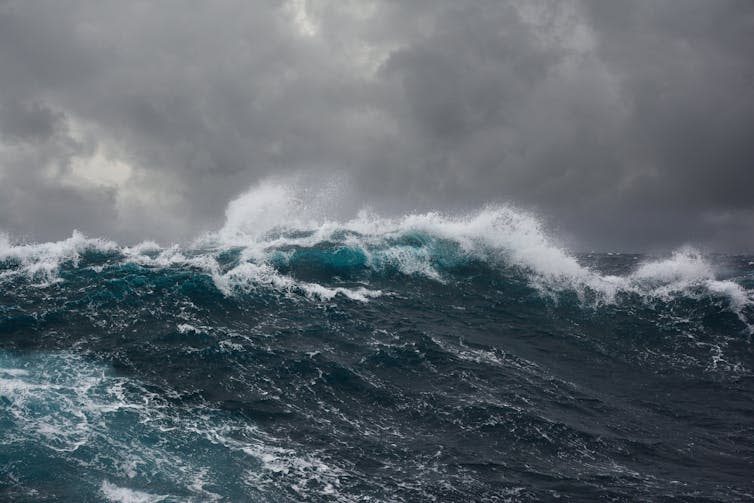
{"points": [[273, 234], [296, 355]]}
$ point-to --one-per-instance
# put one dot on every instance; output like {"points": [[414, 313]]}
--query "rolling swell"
{"points": [[423, 357]]}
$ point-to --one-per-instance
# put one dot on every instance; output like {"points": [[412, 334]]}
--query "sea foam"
{"points": [[272, 216], [272, 220]]}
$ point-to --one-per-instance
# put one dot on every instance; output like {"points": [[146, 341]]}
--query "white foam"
{"points": [[276, 215], [63, 401], [259, 211], [249, 276], [119, 494], [186, 328], [252, 219], [687, 273], [685, 269], [142, 248], [41, 261]]}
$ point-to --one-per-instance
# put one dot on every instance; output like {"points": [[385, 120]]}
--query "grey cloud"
{"points": [[626, 125], [28, 122], [33, 201]]}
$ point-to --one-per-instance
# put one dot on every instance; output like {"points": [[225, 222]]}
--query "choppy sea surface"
{"points": [[429, 357]]}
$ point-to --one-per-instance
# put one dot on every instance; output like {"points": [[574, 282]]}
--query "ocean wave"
{"points": [[291, 355], [275, 231], [67, 407], [41, 262]]}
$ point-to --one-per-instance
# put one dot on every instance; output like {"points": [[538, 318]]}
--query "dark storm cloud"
{"points": [[27, 122], [687, 73], [625, 124]]}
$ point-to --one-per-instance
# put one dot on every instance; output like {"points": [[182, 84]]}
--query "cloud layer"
{"points": [[626, 125]]}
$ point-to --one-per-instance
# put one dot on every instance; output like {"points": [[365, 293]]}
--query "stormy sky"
{"points": [[626, 125]]}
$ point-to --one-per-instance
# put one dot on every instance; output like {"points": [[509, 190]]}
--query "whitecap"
{"points": [[119, 494]]}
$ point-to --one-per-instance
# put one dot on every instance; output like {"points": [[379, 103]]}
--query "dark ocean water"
{"points": [[422, 359]]}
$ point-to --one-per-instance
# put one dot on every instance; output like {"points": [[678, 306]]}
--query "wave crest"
{"points": [[276, 227], [41, 262]]}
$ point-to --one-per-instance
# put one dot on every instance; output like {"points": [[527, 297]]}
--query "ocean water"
{"points": [[429, 357]]}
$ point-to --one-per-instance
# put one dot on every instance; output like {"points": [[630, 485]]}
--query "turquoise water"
{"points": [[410, 360]]}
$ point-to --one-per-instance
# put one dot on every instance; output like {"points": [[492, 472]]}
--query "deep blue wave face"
{"points": [[413, 367]]}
